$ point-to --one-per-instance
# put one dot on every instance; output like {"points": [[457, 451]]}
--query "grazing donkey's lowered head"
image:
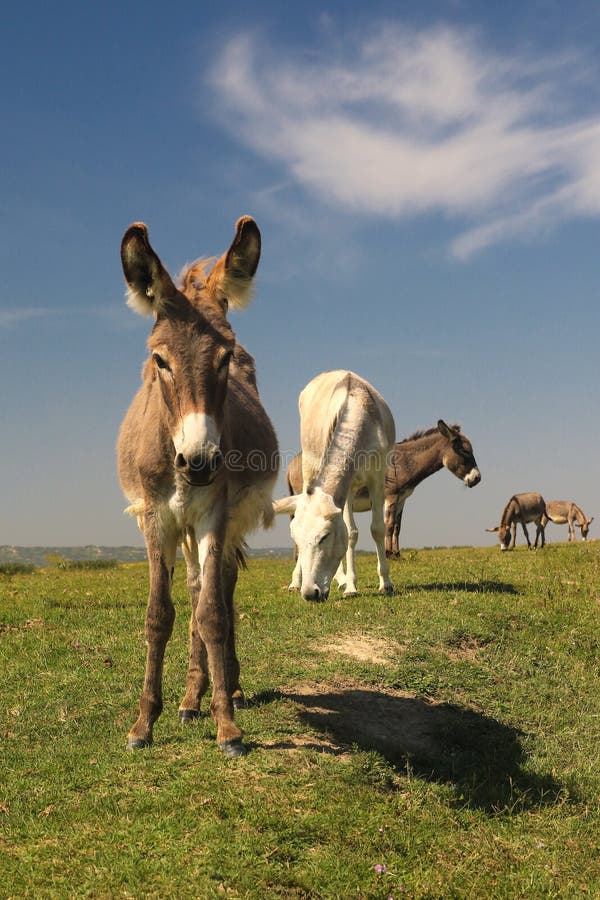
{"points": [[319, 530], [197, 459]]}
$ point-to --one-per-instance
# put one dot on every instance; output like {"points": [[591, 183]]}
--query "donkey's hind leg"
{"points": [[196, 682], [539, 532], [160, 616]]}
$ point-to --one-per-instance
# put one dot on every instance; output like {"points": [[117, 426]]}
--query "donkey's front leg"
{"points": [[160, 616], [378, 534], [214, 628], [196, 682], [230, 576], [296, 581], [397, 527], [389, 516], [351, 588], [526, 533], [340, 576]]}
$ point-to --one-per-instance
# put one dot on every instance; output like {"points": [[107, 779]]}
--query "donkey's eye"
{"points": [[324, 538], [225, 360], [160, 362]]}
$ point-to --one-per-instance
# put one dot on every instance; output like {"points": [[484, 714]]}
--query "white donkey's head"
{"points": [[321, 536]]}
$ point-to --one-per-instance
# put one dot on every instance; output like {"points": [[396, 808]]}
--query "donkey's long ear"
{"points": [[231, 278], [497, 528], [445, 430], [285, 505], [149, 285]]}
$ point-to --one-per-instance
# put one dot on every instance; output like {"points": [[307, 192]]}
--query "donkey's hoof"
{"points": [[233, 748], [240, 702], [350, 593], [388, 589], [188, 715], [137, 744]]}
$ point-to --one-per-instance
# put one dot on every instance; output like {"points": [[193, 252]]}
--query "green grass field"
{"points": [[443, 742]]}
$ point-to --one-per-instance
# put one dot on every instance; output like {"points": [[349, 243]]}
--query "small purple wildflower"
{"points": [[380, 869]]}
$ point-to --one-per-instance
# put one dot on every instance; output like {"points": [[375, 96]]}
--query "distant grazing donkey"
{"points": [[346, 431], [188, 451], [411, 462], [521, 508], [562, 512]]}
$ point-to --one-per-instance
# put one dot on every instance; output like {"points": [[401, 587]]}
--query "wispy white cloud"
{"points": [[399, 123], [117, 316], [18, 315]]}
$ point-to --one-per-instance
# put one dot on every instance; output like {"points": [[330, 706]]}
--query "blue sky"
{"points": [[426, 177]]}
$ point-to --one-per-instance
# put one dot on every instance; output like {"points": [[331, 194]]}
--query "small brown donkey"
{"points": [[523, 508], [197, 459], [410, 462], [563, 512]]}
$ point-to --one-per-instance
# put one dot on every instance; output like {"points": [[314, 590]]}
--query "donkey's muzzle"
{"points": [[472, 478], [199, 469], [314, 594]]}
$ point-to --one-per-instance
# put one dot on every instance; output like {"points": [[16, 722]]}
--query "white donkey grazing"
{"points": [[347, 432]]}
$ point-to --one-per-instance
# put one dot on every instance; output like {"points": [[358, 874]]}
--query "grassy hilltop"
{"points": [[444, 742]]}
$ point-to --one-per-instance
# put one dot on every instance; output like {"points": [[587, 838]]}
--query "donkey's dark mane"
{"points": [[425, 432]]}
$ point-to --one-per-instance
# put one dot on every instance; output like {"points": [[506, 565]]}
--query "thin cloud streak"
{"points": [[12, 317], [117, 316], [407, 123]]}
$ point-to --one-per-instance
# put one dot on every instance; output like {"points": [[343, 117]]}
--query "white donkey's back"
{"points": [[345, 425]]}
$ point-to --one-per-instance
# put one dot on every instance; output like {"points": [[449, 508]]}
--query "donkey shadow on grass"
{"points": [[481, 758]]}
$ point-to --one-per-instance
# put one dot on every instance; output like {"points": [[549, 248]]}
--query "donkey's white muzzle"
{"points": [[472, 478]]}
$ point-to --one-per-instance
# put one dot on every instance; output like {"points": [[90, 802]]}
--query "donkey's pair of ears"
{"points": [[150, 288]]}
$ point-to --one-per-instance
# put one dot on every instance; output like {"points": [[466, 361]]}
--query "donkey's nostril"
{"points": [[198, 461], [199, 467]]}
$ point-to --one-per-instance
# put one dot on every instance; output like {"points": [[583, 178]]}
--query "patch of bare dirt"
{"points": [[363, 648], [319, 744]]}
